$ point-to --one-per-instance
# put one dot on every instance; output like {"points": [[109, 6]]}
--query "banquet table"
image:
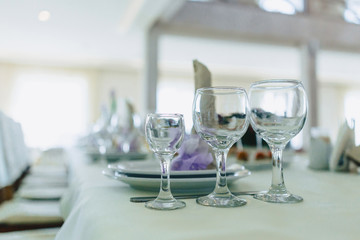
{"points": [[96, 207]]}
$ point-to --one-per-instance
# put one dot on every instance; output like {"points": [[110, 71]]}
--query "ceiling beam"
{"points": [[245, 22]]}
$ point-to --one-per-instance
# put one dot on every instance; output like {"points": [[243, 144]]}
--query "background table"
{"points": [[99, 208]]}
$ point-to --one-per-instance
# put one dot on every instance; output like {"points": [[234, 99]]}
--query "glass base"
{"points": [[216, 200], [159, 204], [278, 198]]}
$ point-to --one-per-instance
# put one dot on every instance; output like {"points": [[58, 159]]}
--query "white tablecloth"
{"points": [[99, 208]]}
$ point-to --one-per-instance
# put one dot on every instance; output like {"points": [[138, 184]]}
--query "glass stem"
{"points": [[277, 184], [221, 183], [165, 192]]}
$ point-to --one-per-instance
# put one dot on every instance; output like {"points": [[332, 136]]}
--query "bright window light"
{"points": [[352, 11], [51, 107], [289, 7], [176, 97]]}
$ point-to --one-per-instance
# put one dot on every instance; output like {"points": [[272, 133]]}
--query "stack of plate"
{"points": [[145, 175], [116, 156]]}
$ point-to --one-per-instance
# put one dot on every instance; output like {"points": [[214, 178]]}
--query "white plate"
{"points": [[119, 156], [193, 182], [151, 169]]}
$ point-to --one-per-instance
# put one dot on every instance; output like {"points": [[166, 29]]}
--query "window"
{"points": [[339, 91], [352, 11], [289, 7], [51, 106], [176, 97]]}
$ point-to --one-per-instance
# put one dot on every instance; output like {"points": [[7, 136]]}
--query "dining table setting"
{"points": [[164, 183]]}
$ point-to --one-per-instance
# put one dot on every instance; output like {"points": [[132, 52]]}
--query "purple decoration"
{"points": [[194, 154]]}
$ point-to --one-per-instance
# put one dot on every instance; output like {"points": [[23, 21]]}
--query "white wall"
{"points": [[337, 73]]}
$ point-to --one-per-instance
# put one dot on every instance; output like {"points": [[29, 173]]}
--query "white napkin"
{"points": [[49, 171], [30, 212], [194, 153], [202, 75], [38, 234], [41, 193], [44, 181], [354, 154], [344, 141], [320, 149], [126, 114]]}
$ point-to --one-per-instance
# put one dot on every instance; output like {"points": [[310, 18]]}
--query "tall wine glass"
{"points": [[220, 119], [164, 134], [278, 113]]}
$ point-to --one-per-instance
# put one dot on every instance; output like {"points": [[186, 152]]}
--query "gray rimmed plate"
{"points": [[146, 176]]}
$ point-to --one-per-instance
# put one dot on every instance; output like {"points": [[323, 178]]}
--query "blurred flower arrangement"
{"points": [[115, 131]]}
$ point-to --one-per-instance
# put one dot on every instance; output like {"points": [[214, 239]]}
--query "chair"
{"points": [[23, 205]]}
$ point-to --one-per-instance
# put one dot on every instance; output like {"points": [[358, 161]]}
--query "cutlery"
{"points": [[189, 196]]}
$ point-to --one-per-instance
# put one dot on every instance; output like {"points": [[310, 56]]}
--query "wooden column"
{"points": [[151, 74], [309, 77]]}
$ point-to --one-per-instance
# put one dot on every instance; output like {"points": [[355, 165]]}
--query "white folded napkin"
{"points": [[202, 75], [126, 114], [30, 212], [41, 193], [345, 140], [55, 157], [49, 171], [43, 181], [195, 154], [38, 234], [354, 154]]}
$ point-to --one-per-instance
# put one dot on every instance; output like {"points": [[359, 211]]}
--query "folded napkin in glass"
{"points": [[353, 156], [345, 141]]}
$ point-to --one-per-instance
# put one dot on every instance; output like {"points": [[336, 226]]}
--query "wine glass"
{"points": [[164, 134], [220, 119], [278, 110]]}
